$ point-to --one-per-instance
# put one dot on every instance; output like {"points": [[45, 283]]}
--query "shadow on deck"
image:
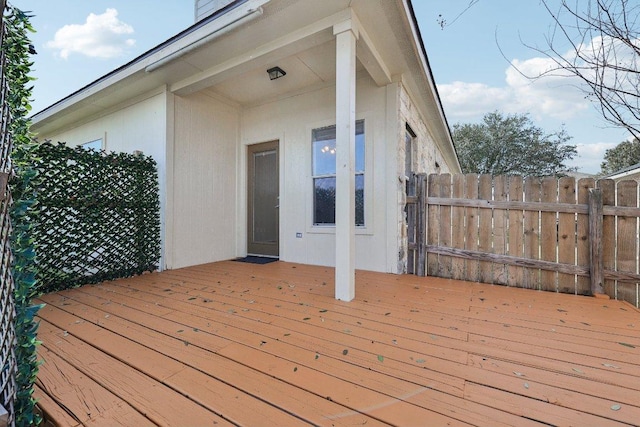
{"points": [[267, 345]]}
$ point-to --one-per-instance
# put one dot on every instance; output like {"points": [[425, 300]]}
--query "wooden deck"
{"points": [[232, 343]]}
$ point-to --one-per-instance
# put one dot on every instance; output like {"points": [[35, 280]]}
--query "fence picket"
{"points": [[549, 234], [516, 232], [444, 220], [471, 229], [421, 220], [627, 241], [457, 227], [412, 239], [432, 225], [532, 193], [608, 188], [500, 220], [485, 240], [567, 234], [583, 285]]}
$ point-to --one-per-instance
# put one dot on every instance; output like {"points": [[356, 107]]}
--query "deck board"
{"points": [[245, 344]]}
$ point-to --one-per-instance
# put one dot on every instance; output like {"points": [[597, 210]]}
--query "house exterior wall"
{"points": [[291, 121], [204, 219], [201, 134], [427, 158], [427, 153], [200, 140], [200, 144], [121, 129]]}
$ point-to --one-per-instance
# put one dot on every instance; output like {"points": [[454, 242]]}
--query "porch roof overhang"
{"points": [[280, 49]]}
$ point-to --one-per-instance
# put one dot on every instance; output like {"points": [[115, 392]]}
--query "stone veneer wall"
{"points": [[426, 155]]}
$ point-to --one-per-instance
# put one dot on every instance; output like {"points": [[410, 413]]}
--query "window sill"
{"points": [[331, 229]]}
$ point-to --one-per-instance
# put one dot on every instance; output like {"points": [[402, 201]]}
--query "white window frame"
{"points": [[367, 228]]}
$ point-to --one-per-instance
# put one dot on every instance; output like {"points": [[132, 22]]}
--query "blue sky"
{"points": [[79, 41]]}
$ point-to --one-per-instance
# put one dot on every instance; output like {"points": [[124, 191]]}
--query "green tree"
{"points": [[623, 155], [512, 145]]}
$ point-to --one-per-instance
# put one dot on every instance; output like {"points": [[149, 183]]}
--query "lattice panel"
{"points": [[8, 362], [99, 216]]}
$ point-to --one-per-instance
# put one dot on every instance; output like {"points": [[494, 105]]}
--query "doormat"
{"points": [[256, 259]]}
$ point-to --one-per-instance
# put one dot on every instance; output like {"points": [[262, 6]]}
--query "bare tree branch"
{"points": [[602, 49]]}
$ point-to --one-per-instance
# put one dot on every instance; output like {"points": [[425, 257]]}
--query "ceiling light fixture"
{"points": [[276, 73]]}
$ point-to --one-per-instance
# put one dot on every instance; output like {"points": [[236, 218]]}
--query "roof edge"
{"points": [[629, 170]]}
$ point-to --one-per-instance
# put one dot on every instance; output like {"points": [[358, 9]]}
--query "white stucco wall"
{"points": [[291, 121], [204, 219], [136, 126]]}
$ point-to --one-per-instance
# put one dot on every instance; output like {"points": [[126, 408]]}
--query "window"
{"points": [[324, 175], [96, 145], [409, 137]]}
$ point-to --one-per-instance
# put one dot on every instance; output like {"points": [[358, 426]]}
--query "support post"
{"points": [[596, 269], [345, 160]]}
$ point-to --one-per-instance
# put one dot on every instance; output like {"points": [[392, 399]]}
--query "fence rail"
{"points": [[561, 235]]}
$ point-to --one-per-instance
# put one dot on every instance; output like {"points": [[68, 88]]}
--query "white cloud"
{"points": [[556, 96], [101, 36], [590, 156], [471, 100]]}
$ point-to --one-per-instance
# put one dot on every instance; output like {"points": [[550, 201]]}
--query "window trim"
{"points": [[412, 148], [410, 138]]}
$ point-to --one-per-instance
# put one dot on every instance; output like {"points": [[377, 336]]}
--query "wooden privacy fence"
{"points": [[550, 234]]}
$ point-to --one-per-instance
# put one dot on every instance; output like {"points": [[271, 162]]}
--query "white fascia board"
{"points": [[153, 56]]}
